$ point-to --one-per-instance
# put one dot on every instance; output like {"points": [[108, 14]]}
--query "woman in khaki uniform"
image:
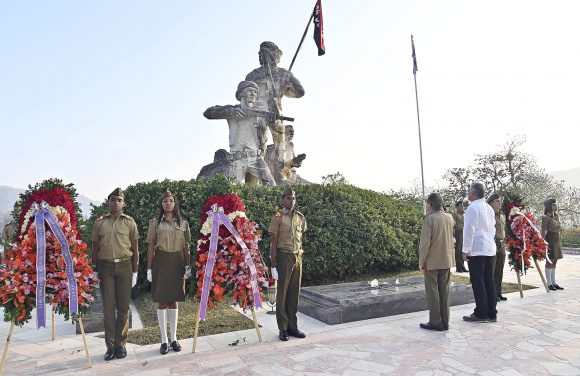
{"points": [[167, 260], [551, 232]]}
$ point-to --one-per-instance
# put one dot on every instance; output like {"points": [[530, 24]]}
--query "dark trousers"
{"points": [[289, 268], [116, 292], [481, 276], [458, 234], [499, 263], [437, 292]]}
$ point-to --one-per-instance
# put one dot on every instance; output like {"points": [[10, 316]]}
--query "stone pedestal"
{"points": [[95, 322], [346, 302]]}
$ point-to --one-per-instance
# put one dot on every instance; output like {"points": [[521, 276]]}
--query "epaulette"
{"points": [[127, 216], [101, 218], [297, 212], [278, 214]]}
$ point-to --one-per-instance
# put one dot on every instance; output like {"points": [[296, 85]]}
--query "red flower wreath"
{"points": [[521, 224], [230, 273], [18, 274]]}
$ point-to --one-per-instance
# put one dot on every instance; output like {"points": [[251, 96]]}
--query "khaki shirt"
{"points": [[499, 226], [114, 236], [289, 226], [8, 233], [168, 236], [458, 218], [436, 245]]}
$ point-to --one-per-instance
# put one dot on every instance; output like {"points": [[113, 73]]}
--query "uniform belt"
{"points": [[500, 241], [236, 155], [118, 260], [290, 251]]}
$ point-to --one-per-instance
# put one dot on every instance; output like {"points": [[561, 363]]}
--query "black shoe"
{"points": [[501, 297], [497, 298], [474, 318], [109, 355], [283, 335], [438, 327], [558, 287], [163, 349], [176, 346], [465, 270], [296, 333], [120, 353], [445, 326], [552, 288], [492, 319]]}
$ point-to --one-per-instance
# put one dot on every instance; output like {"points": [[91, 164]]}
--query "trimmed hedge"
{"points": [[350, 230]]}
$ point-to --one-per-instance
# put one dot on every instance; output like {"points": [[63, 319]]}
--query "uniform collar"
{"points": [[164, 218], [286, 211]]}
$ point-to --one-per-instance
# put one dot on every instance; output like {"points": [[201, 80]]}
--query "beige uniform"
{"points": [[289, 226], [8, 234], [436, 256], [169, 238], [114, 237]]}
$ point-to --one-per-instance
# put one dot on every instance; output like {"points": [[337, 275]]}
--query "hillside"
{"points": [[571, 176]]}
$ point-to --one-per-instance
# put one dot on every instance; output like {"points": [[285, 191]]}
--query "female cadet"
{"points": [[551, 232], [167, 256]]}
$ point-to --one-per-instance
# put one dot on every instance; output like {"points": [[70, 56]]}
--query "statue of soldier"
{"points": [[285, 171], [274, 83], [248, 136]]}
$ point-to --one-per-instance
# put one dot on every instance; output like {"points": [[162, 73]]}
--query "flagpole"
{"points": [[419, 126], [302, 40]]}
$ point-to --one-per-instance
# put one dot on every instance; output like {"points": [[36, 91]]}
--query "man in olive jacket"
{"points": [[435, 260]]}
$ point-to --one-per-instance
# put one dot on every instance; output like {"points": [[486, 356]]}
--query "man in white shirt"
{"points": [[479, 251]]}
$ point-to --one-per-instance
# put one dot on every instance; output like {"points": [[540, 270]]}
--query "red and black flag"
{"points": [[415, 69], [318, 28]]}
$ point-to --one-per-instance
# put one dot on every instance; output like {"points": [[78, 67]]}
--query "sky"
{"points": [[111, 93]]}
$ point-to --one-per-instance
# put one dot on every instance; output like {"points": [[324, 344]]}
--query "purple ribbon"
{"points": [[41, 214], [217, 215]]}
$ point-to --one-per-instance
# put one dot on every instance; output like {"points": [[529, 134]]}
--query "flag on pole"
{"points": [[415, 69], [318, 28]]}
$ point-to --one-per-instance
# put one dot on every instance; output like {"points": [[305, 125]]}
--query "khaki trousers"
{"points": [[116, 292], [498, 265], [289, 268], [437, 291]]}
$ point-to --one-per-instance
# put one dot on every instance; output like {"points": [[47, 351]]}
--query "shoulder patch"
{"points": [[297, 212], [278, 214], [101, 218], [127, 216]]}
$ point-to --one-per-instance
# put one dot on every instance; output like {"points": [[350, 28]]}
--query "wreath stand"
{"points": [[519, 272], [195, 332], [9, 338]]}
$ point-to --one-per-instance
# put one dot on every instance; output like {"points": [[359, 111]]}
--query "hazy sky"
{"points": [[109, 93]]}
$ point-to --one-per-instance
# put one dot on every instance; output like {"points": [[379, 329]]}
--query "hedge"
{"points": [[350, 230]]}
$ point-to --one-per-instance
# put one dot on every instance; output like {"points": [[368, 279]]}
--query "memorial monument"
{"points": [[250, 160]]}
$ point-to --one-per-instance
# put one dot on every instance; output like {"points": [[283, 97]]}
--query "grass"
{"points": [[221, 319], [506, 287]]}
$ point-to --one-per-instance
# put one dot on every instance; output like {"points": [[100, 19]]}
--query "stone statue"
{"points": [[248, 137], [220, 165], [274, 83], [285, 171]]}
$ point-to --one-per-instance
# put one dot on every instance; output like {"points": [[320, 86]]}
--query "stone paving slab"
{"points": [[536, 335]]}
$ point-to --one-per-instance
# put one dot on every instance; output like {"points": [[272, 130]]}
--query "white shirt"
{"points": [[479, 229]]}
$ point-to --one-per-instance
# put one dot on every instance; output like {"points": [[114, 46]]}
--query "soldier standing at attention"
{"points": [[458, 235], [286, 230], [9, 233], [495, 202], [115, 253]]}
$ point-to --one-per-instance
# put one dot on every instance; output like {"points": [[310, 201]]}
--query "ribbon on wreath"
{"points": [[217, 216], [41, 214], [519, 215]]}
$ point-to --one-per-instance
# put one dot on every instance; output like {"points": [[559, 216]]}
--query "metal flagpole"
{"points": [[418, 124], [302, 40]]}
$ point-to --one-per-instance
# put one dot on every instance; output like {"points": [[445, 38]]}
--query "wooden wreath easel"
{"points": [[197, 325], [518, 272], [9, 338]]}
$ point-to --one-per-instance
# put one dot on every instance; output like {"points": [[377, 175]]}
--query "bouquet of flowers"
{"points": [[523, 236], [230, 273], [18, 276]]}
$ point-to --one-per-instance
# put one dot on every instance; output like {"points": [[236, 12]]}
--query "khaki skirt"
{"points": [[168, 284]]}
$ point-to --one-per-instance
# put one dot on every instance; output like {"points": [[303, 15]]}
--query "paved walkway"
{"points": [[537, 335]]}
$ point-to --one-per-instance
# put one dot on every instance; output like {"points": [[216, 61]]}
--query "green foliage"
{"points": [[350, 230], [571, 238]]}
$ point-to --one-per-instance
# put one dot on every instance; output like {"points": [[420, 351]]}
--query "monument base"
{"points": [[95, 321], [347, 302]]}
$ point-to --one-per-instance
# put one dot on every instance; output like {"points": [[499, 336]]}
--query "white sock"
{"points": [[549, 276], [554, 276], [172, 316], [162, 318]]}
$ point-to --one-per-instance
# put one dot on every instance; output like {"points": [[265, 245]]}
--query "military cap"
{"points": [[459, 202], [242, 85], [117, 192], [492, 198], [288, 191]]}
